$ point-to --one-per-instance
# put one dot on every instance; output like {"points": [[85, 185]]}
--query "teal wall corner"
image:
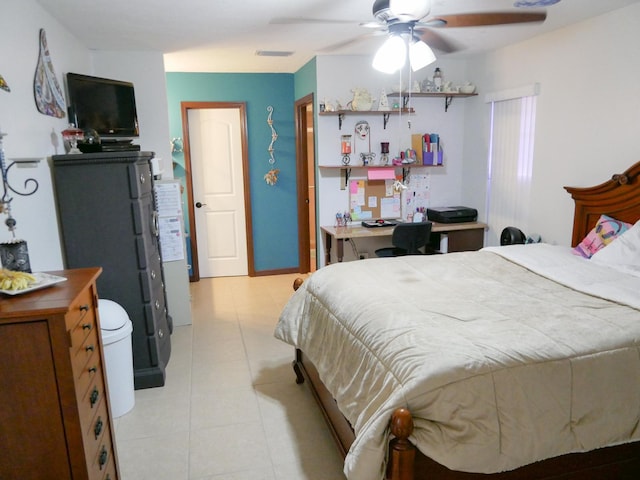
{"points": [[274, 232]]}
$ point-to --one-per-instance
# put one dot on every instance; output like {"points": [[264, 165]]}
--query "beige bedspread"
{"points": [[500, 366]]}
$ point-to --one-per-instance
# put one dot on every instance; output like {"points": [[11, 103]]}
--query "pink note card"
{"points": [[380, 174]]}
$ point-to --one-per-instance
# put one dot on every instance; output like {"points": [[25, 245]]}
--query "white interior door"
{"points": [[215, 142]]}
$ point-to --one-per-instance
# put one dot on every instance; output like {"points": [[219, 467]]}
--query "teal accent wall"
{"points": [[273, 208], [305, 80]]}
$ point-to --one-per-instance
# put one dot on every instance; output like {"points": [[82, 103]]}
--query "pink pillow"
{"points": [[605, 231]]}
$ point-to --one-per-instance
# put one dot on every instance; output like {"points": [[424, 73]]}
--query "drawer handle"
{"points": [[93, 369], [153, 274], [155, 224], [142, 178], [104, 456], [95, 394], [84, 308], [97, 430], [157, 304], [89, 348], [87, 326]]}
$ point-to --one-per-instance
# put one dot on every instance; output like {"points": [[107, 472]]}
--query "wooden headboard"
{"points": [[619, 198]]}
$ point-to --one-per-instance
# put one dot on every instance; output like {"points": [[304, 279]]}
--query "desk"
{"points": [[462, 236]]}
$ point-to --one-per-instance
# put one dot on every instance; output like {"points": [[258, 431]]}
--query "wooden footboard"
{"points": [[407, 463]]}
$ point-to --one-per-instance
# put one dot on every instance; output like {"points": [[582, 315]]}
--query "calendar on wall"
{"points": [[417, 196], [170, 220]]}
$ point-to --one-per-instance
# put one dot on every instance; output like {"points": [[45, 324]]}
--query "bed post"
{"points": [[402, 453], [297, 282]]}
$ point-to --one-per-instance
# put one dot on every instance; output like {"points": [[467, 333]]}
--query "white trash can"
{"points": [[116, 329]]}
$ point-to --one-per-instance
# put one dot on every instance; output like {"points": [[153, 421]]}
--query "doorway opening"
{"points": [[217, 189], [305, 165]]}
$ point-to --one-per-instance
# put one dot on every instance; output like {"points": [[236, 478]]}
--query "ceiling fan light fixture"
{"points": [[420, 55], [409, 9], [391, 56]]}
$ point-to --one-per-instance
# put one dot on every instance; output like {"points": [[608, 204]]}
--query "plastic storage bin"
{"points": [[116, 329]]}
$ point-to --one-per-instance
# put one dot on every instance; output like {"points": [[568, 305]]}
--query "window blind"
{"points": [[512, 133]]}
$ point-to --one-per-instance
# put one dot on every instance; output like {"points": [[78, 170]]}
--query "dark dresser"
{"points": [[107, 216]]}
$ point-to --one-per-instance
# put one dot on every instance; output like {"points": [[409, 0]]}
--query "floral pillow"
{"points": [[624, 252], [605, 231]]}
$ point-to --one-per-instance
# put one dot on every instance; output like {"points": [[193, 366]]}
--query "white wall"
{"points": [[32, 134], [588, 112], [336, 77], [146, 71]]}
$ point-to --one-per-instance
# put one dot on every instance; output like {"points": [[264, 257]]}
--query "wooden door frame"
{"points": [[304, 241], [242, 106]]}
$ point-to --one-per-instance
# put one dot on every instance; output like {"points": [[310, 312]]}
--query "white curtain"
{"points": [[513, 115]]}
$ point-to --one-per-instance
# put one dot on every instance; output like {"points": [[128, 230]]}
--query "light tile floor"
{"points": [[230, 408]]}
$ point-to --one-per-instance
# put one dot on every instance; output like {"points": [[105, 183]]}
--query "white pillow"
{"points": [[623, 252]]}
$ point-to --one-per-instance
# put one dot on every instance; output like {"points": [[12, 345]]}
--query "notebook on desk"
{"points": [[381, 222]]}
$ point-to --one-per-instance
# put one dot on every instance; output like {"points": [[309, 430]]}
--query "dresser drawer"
{"points": [[84, 354], [96, 427], [79, 308], [109, 471], [81, 324], [88, 374], [140, 179], [151, 282], [102, 462], [155, 313], [89, 404], [96, 434]]}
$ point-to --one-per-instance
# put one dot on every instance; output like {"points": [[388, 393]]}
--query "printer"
{"points": [[452, 214]]}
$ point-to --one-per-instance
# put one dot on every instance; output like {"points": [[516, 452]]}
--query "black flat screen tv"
{"points": [[107, 106]]}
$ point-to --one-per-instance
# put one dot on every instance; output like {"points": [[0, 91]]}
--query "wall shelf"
{"points": [[385, 114], [448, 97], [406, 169]]}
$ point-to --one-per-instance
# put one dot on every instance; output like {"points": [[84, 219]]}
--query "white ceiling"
{"points": [[223, 35]]}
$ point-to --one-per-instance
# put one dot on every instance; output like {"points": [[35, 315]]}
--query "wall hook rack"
{"points": [[5, 200]]}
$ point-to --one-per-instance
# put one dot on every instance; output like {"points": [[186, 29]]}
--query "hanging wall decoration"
{"points": [[46, 90], [271, 176], [362, 131], [4, 85], [176, 145]]}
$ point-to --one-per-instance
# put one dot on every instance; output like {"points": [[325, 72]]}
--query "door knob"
{"points": [[199, 205]]}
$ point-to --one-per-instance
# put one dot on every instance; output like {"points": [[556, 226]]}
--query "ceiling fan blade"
{"points": [[486, 19], [373, 24], [307, 20], [436, 41], [349, 42]]}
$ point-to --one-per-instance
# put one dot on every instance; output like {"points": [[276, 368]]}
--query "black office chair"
{"points": [[407, 239]]}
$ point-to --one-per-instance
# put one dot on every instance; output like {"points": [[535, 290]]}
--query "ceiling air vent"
{"points": [[273, 53]]}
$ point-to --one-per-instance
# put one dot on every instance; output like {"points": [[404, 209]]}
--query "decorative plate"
{"points": [[43, 280]]}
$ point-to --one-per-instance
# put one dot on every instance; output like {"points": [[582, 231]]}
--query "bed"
{"points": [[512, 362]]}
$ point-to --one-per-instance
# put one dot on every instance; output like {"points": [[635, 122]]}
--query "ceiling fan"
{"points": [[401, 16]]}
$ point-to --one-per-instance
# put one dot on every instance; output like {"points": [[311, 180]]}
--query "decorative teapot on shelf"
{"points": [[362, 100]]}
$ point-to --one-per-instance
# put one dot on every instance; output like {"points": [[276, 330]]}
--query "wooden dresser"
{"points": [[55, 419]]}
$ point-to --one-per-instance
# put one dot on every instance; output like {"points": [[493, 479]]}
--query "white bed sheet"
{"points": [[499, 365]]}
